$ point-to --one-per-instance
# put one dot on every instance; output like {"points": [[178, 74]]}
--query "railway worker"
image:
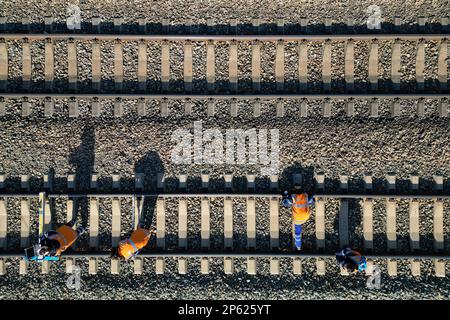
{"points": [[55, 242], [300, 204], [129, 248], [351, 260]]}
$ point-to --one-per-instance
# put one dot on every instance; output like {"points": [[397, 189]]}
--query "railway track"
{"points": [[303, 92], [275, 253], [145, 102]]}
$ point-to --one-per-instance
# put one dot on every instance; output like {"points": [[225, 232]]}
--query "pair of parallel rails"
{"points": [[251, 253], [233, 94]]}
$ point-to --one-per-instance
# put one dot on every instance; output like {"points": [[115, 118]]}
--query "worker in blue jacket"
{"points": [[351, 260]]}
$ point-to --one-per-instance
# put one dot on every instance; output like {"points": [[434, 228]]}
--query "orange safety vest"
{"points": [[138, 240], [300, 208], [66, 236]]}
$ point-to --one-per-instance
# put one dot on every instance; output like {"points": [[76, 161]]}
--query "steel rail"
{"points": [[223, 195], [235, 254], [160, 37], [249, 96]]}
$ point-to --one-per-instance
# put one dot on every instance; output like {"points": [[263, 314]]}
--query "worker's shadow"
{"points": [[83, 160], [151, 168]]}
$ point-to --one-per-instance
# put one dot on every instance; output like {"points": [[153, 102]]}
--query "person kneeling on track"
{"points": [[55, 242], [129, 248], [351, 260]]}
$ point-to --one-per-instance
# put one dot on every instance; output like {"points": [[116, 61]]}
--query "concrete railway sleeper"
{"points": [[366, 203]]}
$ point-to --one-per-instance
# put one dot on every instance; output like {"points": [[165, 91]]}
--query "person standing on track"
{"points": [[351, 260], [300, 204]]}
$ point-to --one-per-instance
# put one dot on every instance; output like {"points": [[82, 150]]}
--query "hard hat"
{"points": [[43, 251]]}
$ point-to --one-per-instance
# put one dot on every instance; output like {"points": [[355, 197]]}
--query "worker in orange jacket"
{"points": [[300, 204], [129, 248], [55, 242]]}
